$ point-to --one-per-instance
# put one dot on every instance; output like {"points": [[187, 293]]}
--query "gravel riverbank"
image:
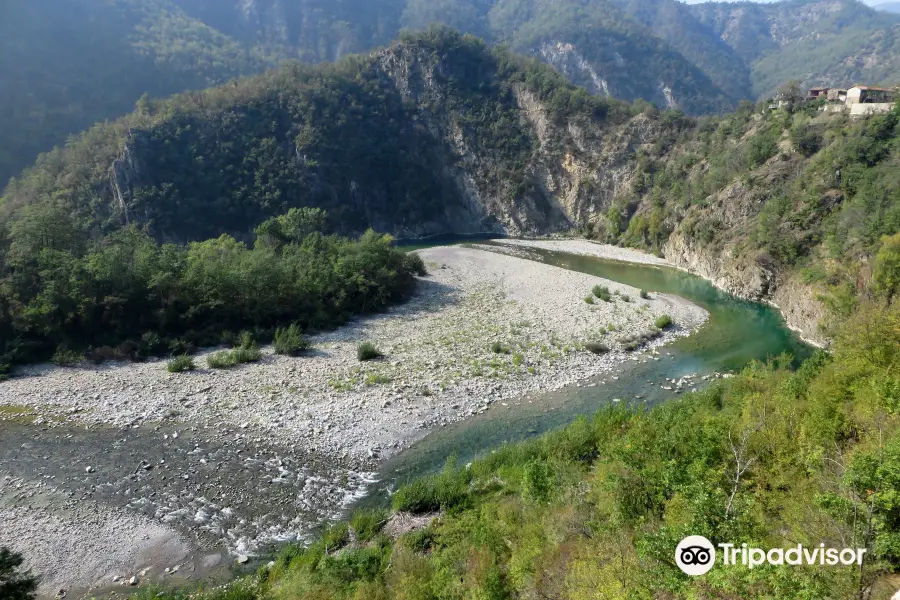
{"points": [[304, 434], [588, 248]]}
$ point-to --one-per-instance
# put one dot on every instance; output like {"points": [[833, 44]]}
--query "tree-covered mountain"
{"points": [[439, 133], [436, 133], [818, 42], [67, 64]]}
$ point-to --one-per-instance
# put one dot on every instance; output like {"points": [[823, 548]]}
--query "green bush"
{"points": [[589, 299], [229, 358], [290, 341], [220, 360], [419, 541], [537, 482], [246, 354], [246, 340], [602, 292], [181, 363], [645, 295], [413, 263], [596, 347], [367, 351], [499, 348], [633, 342], [66, 358], [443, 491], [663, 321], [367, 523], [336, 536]]}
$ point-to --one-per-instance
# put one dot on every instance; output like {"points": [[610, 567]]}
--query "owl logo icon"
{"points": [[695, 555]]}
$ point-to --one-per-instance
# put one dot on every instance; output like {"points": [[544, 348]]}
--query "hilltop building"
{"points": [[867, 94], [857, 100]]}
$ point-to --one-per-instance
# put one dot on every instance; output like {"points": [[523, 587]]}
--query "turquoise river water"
{"points": [[736, 333]]}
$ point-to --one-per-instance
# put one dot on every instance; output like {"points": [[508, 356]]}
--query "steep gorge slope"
{"points": [[432, 135]]}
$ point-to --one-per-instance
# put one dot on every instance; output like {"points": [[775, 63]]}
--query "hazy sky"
{"points": [[869, 2]]}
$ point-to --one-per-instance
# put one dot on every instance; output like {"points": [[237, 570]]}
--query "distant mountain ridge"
{"points": [[70, 63], [891, 7], [818, 42]]}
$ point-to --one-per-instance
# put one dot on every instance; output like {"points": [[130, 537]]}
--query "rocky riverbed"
{"points": [[215, 463]]}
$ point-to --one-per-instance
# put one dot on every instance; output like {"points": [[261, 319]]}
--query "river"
{"points": [[737, 333], [203, 471]]}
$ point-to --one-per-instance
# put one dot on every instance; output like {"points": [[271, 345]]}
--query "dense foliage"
{"points": [[68, 64], [771, 457], [823, 39], [125, 295], [792, 190]]}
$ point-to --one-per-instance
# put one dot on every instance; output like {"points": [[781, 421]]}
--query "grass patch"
{"points": [[589, 299], [230, 358], [220, 360], [602, 292], [377, 378], [367, 523], [663, 321], [633, 342], [180, 364], [336, 536], [447, 489], [290, 341], [499, 348], [367, 351], [645, 295]]}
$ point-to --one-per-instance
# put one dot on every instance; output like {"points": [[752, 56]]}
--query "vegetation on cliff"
{"points": [[440, 133], [787, 191], [377, 140], [770, 457]]}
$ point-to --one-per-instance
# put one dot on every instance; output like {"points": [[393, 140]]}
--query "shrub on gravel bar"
{"points": [[290, 341], [602, 292], [180, 364], [368, 351]]}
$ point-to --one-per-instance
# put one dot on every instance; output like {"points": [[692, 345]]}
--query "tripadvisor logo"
{"points": [[696, 555]]}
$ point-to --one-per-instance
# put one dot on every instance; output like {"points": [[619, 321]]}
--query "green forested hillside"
{"points": [[67, 64], [81, 262], [818, 43], [792, 193], [429, 136]]}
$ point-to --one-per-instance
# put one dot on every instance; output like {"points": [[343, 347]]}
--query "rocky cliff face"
{"points": [[734, 265], [575, 169], [742, 275]]}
